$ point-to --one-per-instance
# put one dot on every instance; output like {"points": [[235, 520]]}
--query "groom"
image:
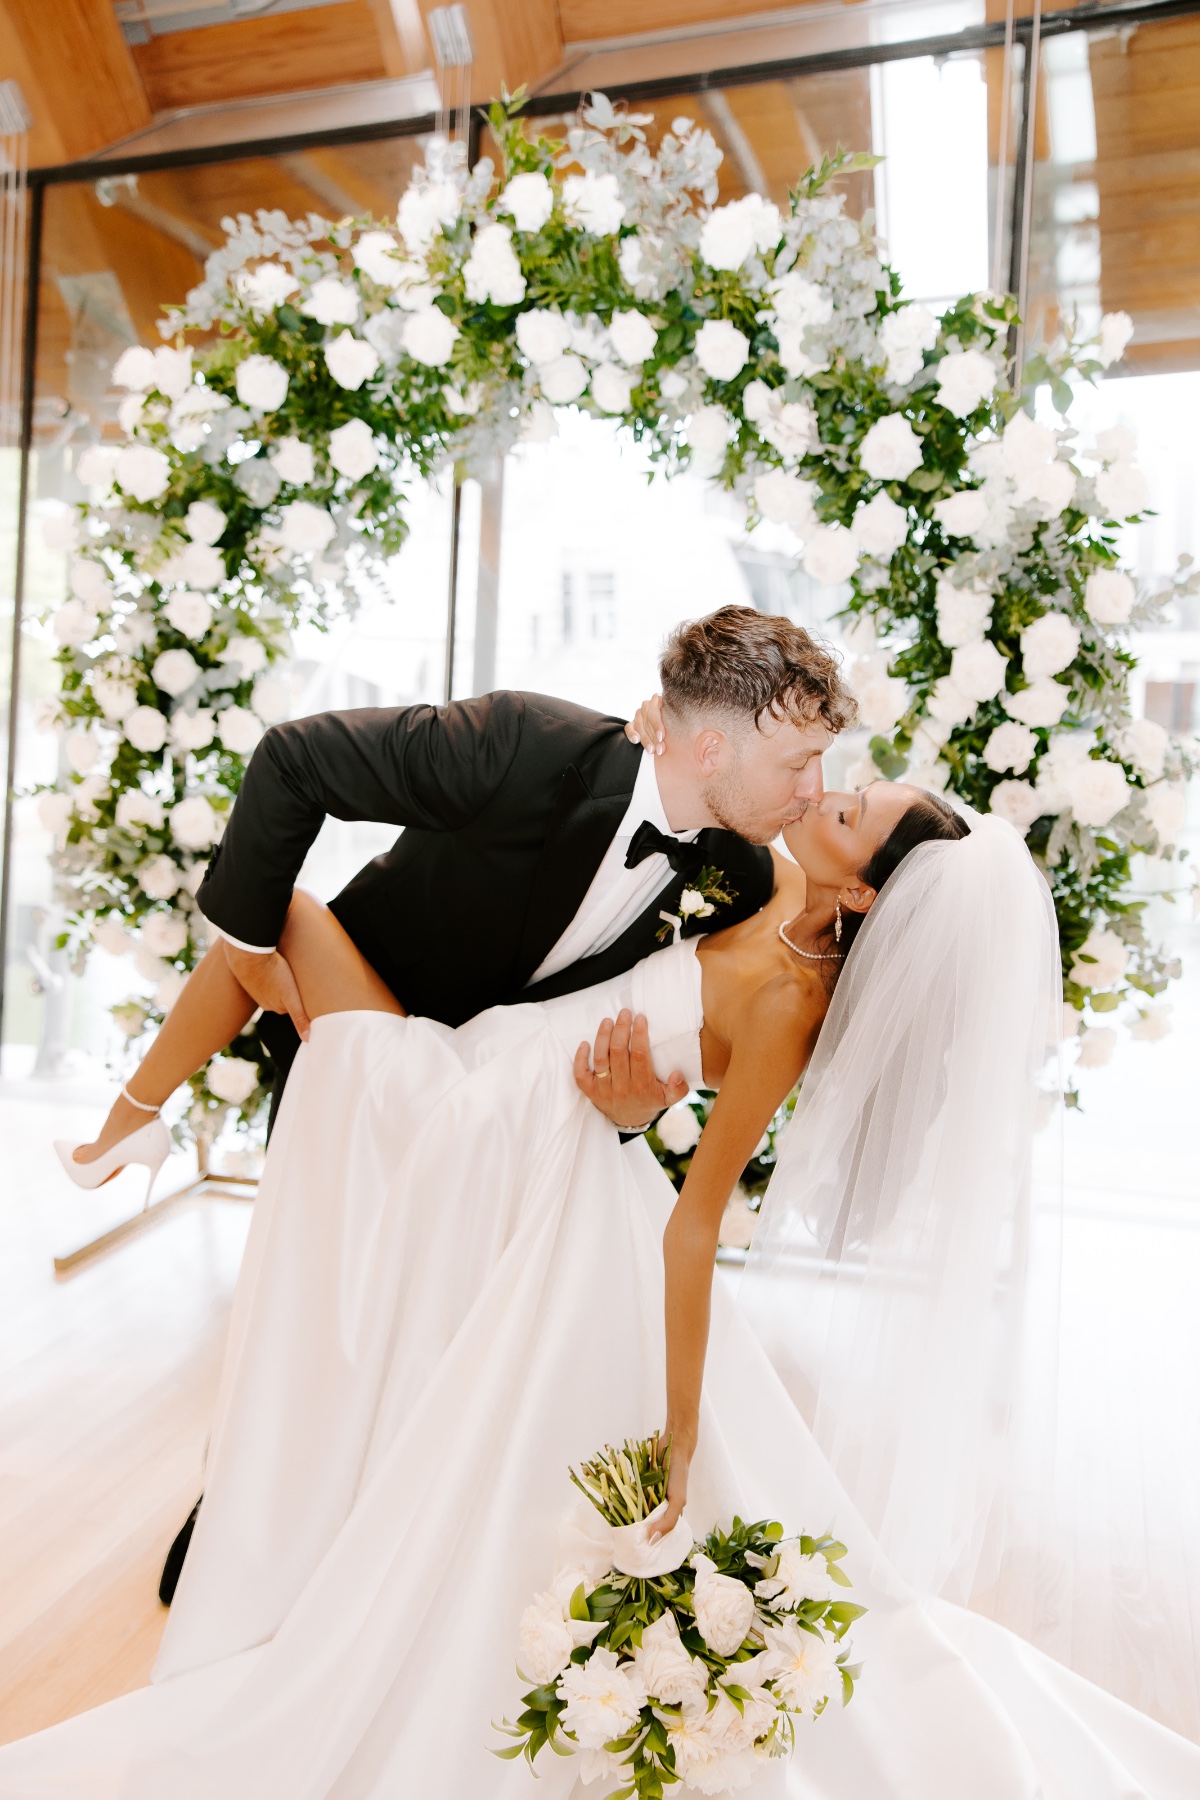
{"points": [[541, 850]]}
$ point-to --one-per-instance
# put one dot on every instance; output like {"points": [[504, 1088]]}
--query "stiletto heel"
{"points": [[149, 1145]]}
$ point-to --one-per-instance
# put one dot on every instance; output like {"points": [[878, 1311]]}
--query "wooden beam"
{"points": [[515, 44], [75, 69], [323, 46], [585, 20]]}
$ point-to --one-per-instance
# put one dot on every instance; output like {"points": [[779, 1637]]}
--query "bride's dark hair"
{"points": [[925, 821]]}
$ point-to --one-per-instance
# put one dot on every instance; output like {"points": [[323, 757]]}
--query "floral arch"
{"points": [[263, 473]]}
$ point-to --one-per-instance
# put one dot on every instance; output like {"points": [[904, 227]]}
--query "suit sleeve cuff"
{"points": [[255, 949]]}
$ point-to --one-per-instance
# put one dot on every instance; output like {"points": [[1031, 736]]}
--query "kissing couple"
{"points": [[462, 1253]]}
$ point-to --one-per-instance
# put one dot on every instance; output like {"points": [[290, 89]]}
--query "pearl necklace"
{"points": [[812, 955]]}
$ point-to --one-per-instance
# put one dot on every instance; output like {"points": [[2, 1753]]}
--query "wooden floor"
{"points": [[107, 1380]]}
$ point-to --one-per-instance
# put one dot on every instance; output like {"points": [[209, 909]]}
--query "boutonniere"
{"points": [[699, 902]]}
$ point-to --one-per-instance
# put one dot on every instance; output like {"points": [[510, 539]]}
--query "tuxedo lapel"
{"points": [[591, 803]]}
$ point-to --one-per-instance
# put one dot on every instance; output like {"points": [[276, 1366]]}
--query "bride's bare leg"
{"points": [[211, 1010], [331, 972]]}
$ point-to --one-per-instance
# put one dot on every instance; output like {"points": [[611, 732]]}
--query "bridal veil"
{"points": [[905, 1273]]}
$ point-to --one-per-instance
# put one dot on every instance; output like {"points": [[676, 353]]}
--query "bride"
{"points": [[452, 1291]]}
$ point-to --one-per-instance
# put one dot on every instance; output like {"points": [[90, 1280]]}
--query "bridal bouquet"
{"points": [[676, 1662]]}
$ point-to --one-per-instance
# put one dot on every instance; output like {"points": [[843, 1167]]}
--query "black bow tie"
{"points": [[648, 840]]}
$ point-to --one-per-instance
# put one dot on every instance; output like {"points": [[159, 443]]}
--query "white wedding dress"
{"points": [[452, 1291]]}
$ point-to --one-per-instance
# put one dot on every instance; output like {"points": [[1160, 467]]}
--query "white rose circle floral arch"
{"points": [[265, 471]]}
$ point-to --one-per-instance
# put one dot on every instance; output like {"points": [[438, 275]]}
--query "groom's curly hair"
{"points": [[739, 661]]}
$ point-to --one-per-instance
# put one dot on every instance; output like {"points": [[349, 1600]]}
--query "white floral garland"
{"points": [[263, 474]]}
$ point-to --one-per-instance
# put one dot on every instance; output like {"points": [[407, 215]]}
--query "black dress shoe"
{"points": [[173, 1567]]}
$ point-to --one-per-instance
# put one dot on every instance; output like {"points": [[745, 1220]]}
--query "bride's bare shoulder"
{"points": [[785, 1009]]}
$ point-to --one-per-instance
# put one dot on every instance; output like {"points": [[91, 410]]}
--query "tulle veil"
{"points": [[905, 1274]]}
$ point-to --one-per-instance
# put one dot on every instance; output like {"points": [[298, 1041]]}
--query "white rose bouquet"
{"points": [[675, 1662]]}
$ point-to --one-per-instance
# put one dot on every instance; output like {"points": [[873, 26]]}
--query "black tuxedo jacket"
{"points": [[508, 804]]}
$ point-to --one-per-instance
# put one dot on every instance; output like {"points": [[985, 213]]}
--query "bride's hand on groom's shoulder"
{"points": [[646, 726], [617, 1075]]}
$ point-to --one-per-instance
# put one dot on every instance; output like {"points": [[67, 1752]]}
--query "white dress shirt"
{"points": [[617, 894]]}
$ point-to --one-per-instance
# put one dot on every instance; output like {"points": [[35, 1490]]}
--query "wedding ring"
{"points": [[602, 1074]]}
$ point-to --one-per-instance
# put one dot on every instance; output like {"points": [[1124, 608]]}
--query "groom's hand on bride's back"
{"points": [[617, 1074], [269, 981]]}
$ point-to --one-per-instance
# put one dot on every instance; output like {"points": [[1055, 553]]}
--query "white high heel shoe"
{"points": [[149, 1145]]}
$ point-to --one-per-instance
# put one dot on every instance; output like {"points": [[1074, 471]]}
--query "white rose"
{"points": [[492, 271], [1152, 1025], [164, 934], [544, 1640], [143, 472], [134, 369], [304, 527], [190, 613], [250, 655], [130, 411], [135, 811], [965, 379], [1121, 490], [351, 361], [721, 349], [904, 336], [665, 1668], [803, 1666], [1116, 444], [880, 525], [240, 730], [891, 450], [1018, 802], [1096, 1047], [145, 728], [262, 383], [204, 522], [593, 203], [542, 334], [1043, 702], [271, 699], [114, 695], [1049, 645], [169, 989], [629, 259], [196, 565], [963, 614], [266, 287], [786, 500], [1025, 447], [130, 1018], [612, 388], [792, 354], [232, 1078], [192, 731], [830, 554], [1144, 744], [799, 301], [160, 878], [110, 935], [948, 704], [724, 1607], [633, 337], [378, 255], [962, 514], [134, 632], [1166, 809], [90, 582], [732, 233], [1116, 329], [1097, 790], [194, 824], [708, 431], [528, 199], [797, 1578], [430, 337], [1100, 961], [97, 466], [89, 793], [293, 461], [1054, 486], [978, 670], [175, 671], [54, 811], [882, 701], [332, 302], [1108, 597], [424, 210], [603, 1699], [538, 425], [679, 1129], [73, 625], [1071, 1021], [563, 380], [83, 750], [353, 450], [1010, 747], [790, 425], [701, 1762]]}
